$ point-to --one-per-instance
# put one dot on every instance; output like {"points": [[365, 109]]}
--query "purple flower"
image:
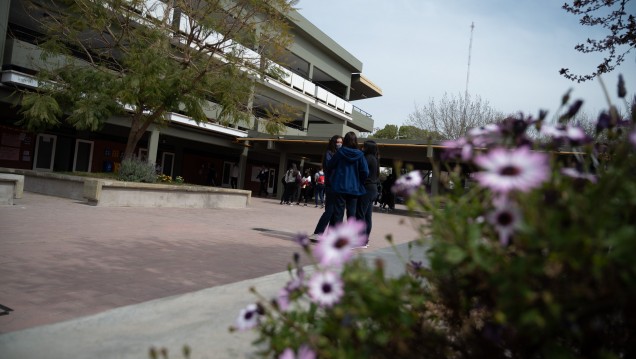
{"points": [[459, 148], [506, 219], [507, 170], [632, 137], [282, 300], [248, 317], [334, 246], [302, 239], [407, 184], [572, 134], [325, 288]]}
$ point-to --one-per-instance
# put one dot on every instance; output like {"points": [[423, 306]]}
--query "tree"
{"points": [[388, 132], [452, 116], [613, 15], [144, 58]]}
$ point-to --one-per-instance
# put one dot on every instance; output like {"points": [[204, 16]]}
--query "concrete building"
{"points": [[321, 79]]}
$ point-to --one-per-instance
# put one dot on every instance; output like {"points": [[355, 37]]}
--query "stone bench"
{"points": [[11, 186]]}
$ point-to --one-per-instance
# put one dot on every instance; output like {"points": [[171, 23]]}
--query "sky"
{"points": [[417, 50]]}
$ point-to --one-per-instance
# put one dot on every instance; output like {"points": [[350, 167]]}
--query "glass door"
{"points": [[83, 157], [167, 163]]}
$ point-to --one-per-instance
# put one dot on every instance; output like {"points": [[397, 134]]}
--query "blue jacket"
{"points": [[347, 171]]}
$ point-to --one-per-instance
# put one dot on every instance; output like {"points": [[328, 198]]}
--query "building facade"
{"points": [[320, 79]]}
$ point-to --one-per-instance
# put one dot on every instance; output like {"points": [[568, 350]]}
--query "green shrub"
{"points": [[134, 170]]}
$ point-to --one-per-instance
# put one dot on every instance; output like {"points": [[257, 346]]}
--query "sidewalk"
{"points": [[112, 282]]}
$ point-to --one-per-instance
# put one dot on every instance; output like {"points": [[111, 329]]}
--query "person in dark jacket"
{"points": [[327, 217], [365, 202], [348, 170]]}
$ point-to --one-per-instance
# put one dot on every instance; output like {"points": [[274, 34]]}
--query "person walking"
{"points": [[364, 209], [327, 218], [235, 174], [262, 176], [348, 170], [319, 188]]}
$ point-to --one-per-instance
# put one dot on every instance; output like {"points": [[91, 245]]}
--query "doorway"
{"points": [[44, 152]]}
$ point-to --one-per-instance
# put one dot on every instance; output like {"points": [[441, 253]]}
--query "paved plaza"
{"points": [[101, 282]]}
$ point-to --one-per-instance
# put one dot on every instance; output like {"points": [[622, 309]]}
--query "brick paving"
{"points": [[61, 259]]}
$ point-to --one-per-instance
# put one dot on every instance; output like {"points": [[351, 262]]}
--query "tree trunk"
{"points": [[135, 134]]}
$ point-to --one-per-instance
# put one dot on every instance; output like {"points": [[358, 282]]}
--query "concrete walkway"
{"points": [[92, 282]]}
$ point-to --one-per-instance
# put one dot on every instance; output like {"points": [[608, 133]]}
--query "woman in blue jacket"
{"points": [[348, 170]]}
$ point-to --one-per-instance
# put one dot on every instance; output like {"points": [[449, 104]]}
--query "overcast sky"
{"points": [[415, 50]]}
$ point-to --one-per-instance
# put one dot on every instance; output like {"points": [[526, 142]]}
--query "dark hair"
{"points": [[331, 146], [371, 148], [350, 140]]}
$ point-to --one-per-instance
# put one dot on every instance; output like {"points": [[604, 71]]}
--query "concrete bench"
{"points": [[11, 186]]}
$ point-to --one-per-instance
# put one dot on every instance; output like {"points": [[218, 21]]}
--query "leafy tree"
{"points": [[388, 132], [613, 15], [452, 116], [144, 58]]}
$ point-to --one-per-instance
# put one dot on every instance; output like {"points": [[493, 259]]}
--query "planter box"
{"points": [[110, 193]]}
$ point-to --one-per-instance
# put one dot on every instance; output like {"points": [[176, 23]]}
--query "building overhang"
{"points": [[362, 87]]}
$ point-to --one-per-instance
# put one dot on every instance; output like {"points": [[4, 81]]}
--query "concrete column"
{"points": [[306, 119], [153, 146], [435, 178], [243, 166], [4, 23], [282, 168]]}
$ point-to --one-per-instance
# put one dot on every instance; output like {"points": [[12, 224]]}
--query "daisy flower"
{"points": [[334, 247], [407, 184], [459, 148], [325, 288], [506, 219], [248, 317], [507, 170]]}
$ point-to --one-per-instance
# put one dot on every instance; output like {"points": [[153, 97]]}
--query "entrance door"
{"points": [[83, 158], [44, 152], [227, 172], [167, 163]]}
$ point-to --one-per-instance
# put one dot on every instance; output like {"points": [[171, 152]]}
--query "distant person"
{"points": [[388, 197], [348, 170], [263, 176], [365, 202], [327, 217], [305, 188], [319, 188], [234, 177], [291, 181], [211, 175]]}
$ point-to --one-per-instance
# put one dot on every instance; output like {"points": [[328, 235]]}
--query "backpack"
{"points": [[321, 178]]}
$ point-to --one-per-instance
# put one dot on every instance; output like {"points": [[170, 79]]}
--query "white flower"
{"points": [[248, 317], [507, 170], [334, 246], [407, 184], [506, 218], [325, 288]]}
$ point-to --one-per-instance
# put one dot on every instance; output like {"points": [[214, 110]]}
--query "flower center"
{"points": [[326, 288], [249, 315], [510, 171], [504, 218], [341, 242]]}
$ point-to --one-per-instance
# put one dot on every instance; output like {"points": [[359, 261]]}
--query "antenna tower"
{"points": [[470, 49]]}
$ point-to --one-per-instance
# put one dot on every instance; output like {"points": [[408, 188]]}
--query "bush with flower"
{"points": [[538, 260]]}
